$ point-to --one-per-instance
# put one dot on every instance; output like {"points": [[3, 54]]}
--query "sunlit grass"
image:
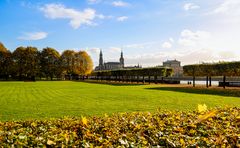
{"points": [[27, 100]]}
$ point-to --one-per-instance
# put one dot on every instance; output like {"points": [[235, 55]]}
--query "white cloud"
{"points": [[229, 7], [192, 47], [115, 49], [191, 39], [185, 56], [135, 46], [122, 18], [166, 45], [120, 4], [33, 36], [146, 45], [93, 1], [171, 40], [190, 6], [227, 55], [77, 18], [94, 50], [186, 42], [101, 16]]}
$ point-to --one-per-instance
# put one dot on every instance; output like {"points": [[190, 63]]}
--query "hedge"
{"points": [[154, 71], [216, 128], [213, 69]]}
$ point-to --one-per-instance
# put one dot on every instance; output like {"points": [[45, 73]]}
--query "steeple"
{"points": [[121, 60], [101, 60]]}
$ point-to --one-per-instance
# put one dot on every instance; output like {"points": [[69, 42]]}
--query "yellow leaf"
{"points": [[202, 108], [192, 131], [50, 142], [89, 134], [145, 142], [66, 137], [138, 126], [206, 116], [182, 141], [34, 124], [84, 120], [106, 115]]}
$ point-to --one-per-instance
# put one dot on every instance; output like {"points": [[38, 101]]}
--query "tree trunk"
{"points": [[193, 81], [143, 80], [224, 82], [155, 79], [149, 79], [207, 81], [210, 81]]}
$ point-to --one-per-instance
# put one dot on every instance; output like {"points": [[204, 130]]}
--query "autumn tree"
{"points": [[5, 62], [50, 62], [67, 62], [25, 62], [28, 63], [83, 63], [2, 47]]}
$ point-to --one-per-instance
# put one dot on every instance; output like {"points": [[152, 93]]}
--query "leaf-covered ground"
{"points": [[219, 127]]}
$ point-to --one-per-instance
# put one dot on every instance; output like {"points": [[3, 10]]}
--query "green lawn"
{"points": [[25, 100]]}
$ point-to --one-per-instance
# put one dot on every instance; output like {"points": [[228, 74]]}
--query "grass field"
{"points": [[35, 100]]}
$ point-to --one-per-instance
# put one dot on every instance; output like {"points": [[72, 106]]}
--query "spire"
{"points": [[121, 60], [101, 60]]}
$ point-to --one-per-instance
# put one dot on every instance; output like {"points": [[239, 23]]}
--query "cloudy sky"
{"points": [[148, 31]]}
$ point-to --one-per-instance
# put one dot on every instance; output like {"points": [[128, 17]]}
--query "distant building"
{"points": [[132, 67], [176, 66], [112, 65]]}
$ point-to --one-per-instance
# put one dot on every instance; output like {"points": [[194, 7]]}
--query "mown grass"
{"points": [[37, 100]]}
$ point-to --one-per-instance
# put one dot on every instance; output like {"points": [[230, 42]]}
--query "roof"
{"points": [[170, 61], [113, 63]]}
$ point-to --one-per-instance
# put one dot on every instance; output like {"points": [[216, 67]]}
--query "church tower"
{"points": [[121, 60], [101, 66]]}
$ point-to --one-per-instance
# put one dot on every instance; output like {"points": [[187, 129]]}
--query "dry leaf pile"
{"points": [[203, 128]]}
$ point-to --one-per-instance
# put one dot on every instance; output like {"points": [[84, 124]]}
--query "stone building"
{"points": [[112, 65], [176, 66]]}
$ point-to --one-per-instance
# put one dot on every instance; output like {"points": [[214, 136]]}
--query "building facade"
{"points": [[113, 65], [176, 66], [110, 65]]}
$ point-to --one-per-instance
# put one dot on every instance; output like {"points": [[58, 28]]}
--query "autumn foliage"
{"points": [[28, 63], [202, 128]]}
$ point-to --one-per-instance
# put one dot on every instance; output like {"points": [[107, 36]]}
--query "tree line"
{"points": [[133, 74], [212, 69], [28, 63]]}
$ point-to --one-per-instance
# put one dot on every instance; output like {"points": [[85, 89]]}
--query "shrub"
{"points": [[219, 127]]}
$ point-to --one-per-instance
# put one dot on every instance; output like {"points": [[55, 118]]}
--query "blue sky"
{"points": [[148, 31]]}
